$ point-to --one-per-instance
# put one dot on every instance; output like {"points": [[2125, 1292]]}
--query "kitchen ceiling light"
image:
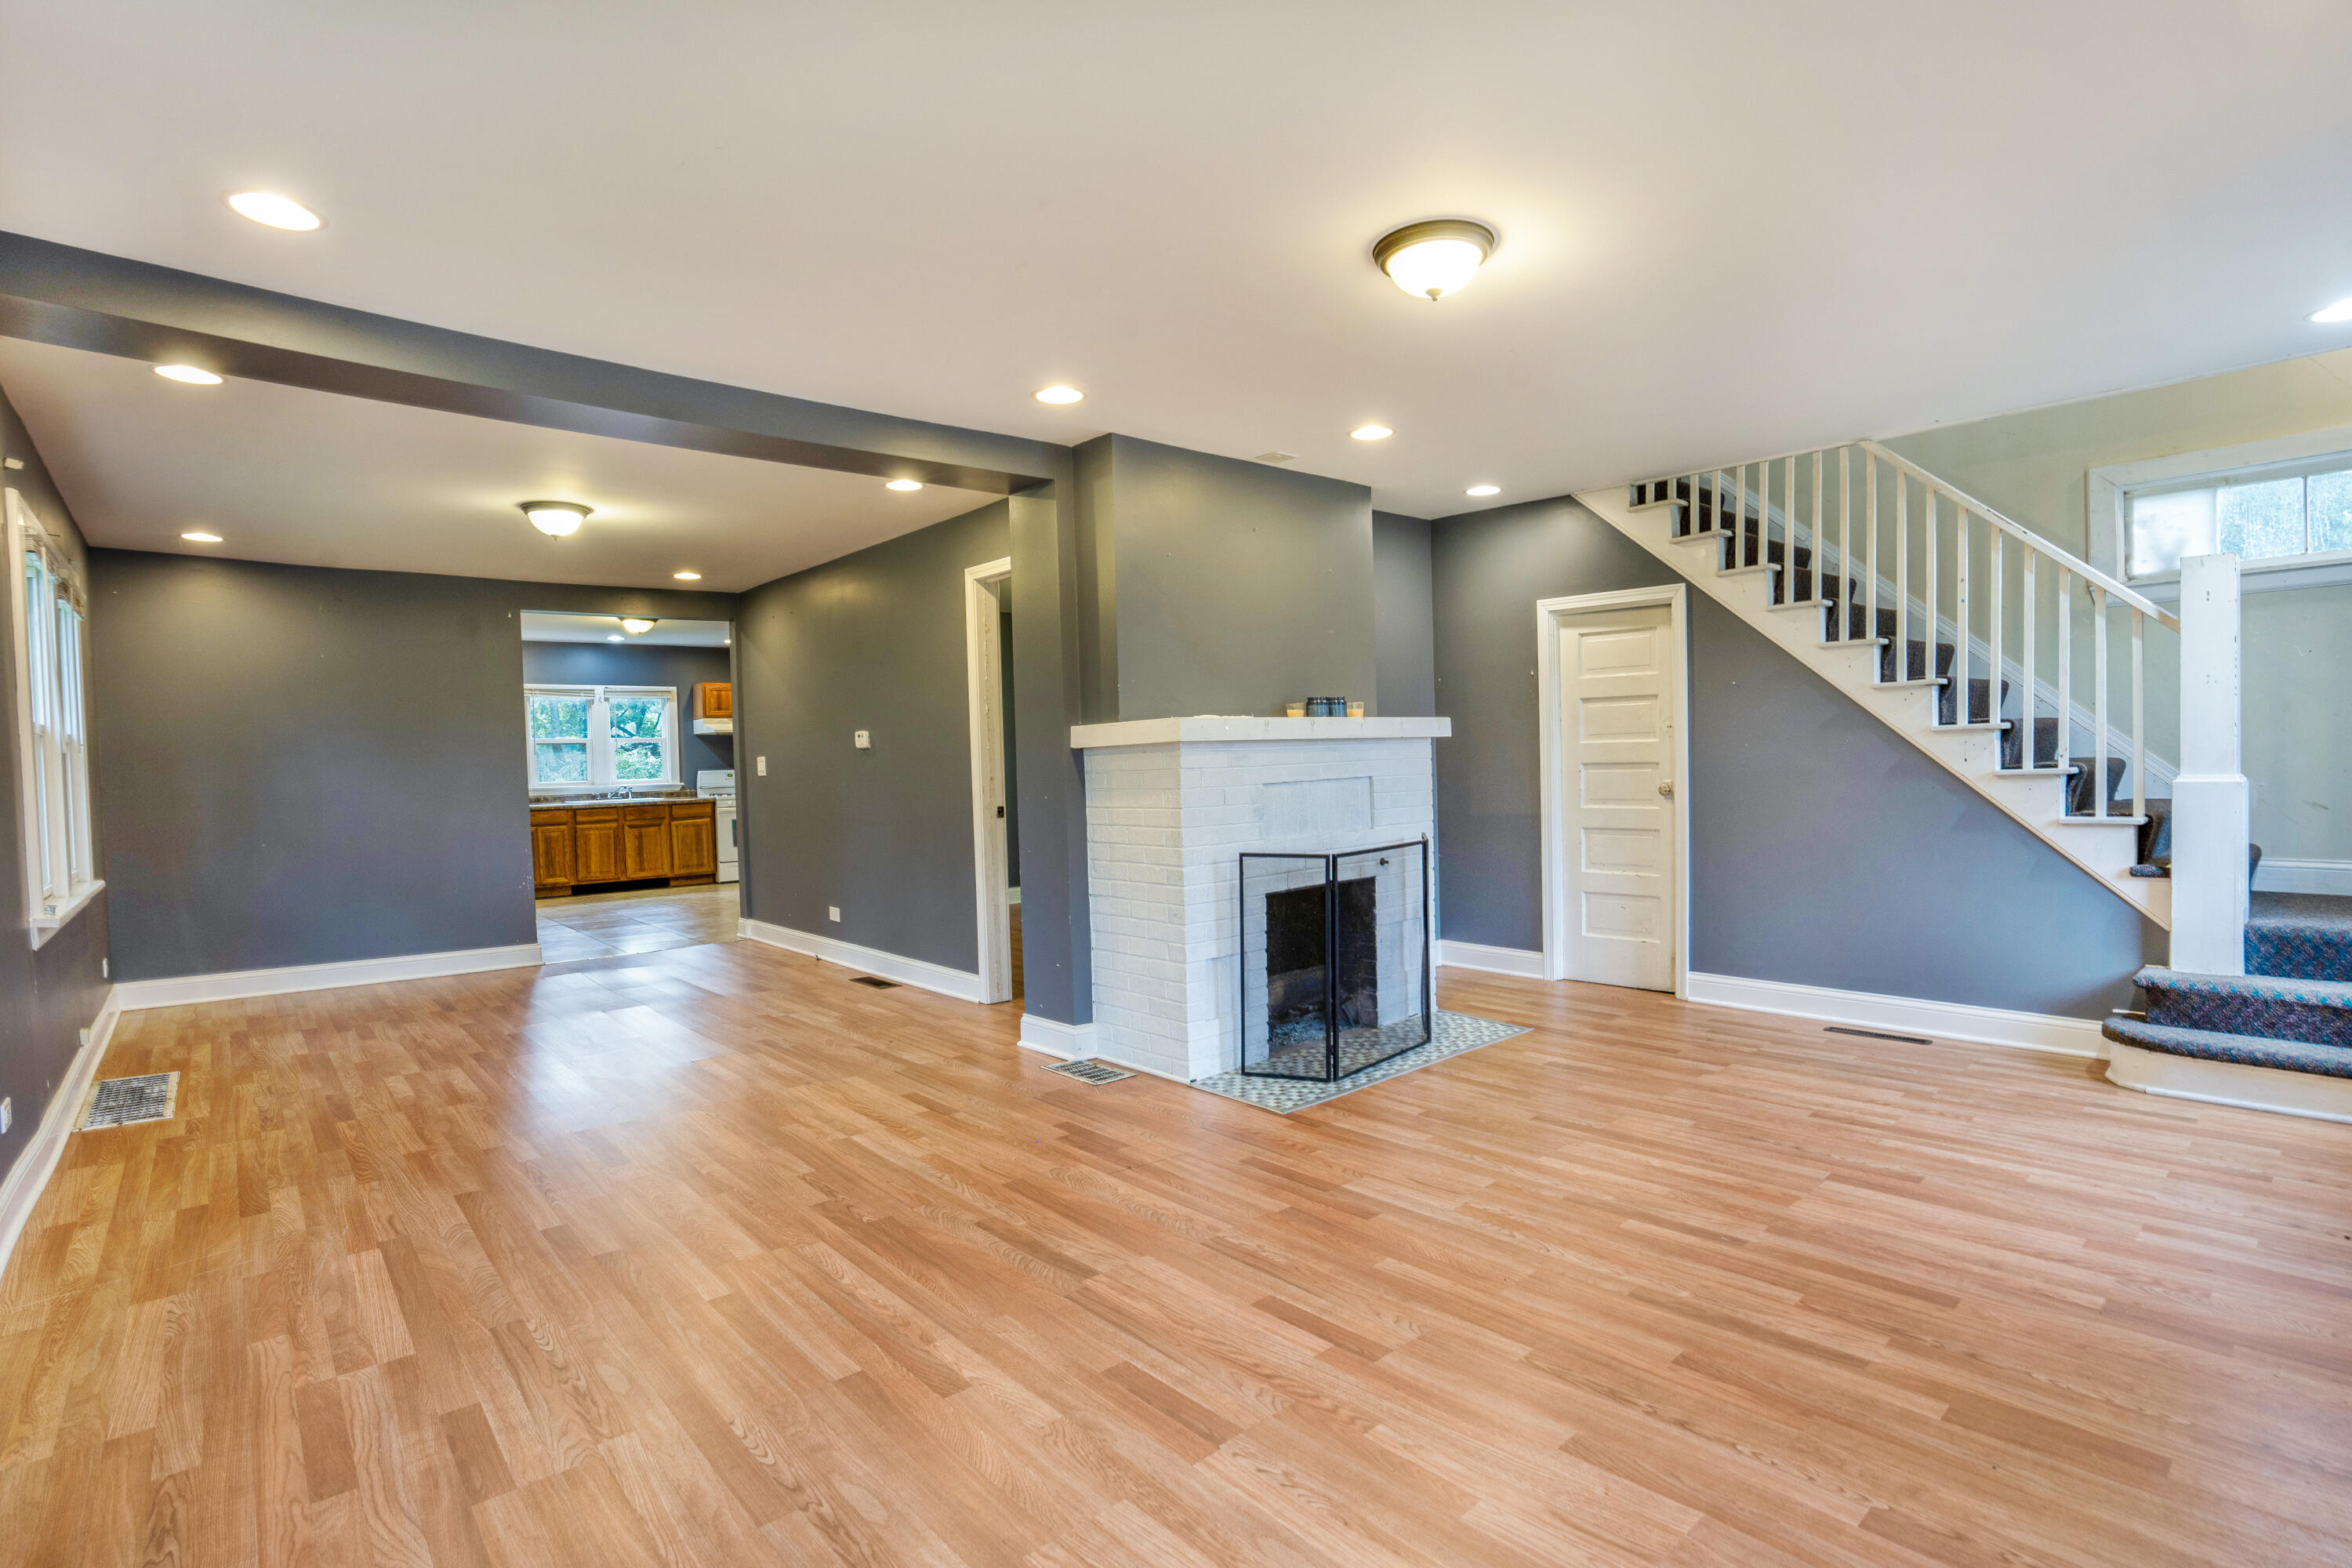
{"points": [[687, 576], [904, 485], [276, 211], [1484, 490], [1371, 433], [198, 536], [194, 375], [1058, 394], [616, 637], [556, 519], [2339, 312], [1432, 259], [636, 625]]}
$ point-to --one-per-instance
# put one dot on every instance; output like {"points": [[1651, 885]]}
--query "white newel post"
{"points": [[2212, 805]]}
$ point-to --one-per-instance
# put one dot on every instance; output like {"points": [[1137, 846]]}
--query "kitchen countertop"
{"points": [[572, 804]]}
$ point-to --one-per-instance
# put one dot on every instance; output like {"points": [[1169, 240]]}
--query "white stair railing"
{"points": [[1946, 586]]}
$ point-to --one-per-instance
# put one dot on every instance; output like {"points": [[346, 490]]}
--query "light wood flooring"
{"points": [[709, 1255], [602, 925]]}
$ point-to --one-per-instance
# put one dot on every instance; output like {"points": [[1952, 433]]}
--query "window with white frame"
{"points": [[2271, 516], [46, 607], [589, 737]]}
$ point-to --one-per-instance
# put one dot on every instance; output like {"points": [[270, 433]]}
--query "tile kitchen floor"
{"points": [[601, 925]]}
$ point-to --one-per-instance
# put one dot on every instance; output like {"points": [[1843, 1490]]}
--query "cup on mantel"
{"points": [[1355, 709], [1295, 711]]}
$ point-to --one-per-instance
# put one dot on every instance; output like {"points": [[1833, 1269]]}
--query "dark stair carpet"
{"points": [[2292, 1008], [2300, 936]]}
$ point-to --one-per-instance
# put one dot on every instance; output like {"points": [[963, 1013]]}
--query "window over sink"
{"points": [[600, 737]]}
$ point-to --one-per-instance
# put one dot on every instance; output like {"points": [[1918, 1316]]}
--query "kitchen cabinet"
{"points": [[577, 849], [714, 699]]}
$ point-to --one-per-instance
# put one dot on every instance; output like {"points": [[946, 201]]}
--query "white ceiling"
{"points": [[284, 474], [542, 625], [1727, 228]]}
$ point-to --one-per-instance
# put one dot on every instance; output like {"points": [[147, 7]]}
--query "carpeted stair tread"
{"points": [[2300, 936], [2309, 1012], [2247, 1050]]}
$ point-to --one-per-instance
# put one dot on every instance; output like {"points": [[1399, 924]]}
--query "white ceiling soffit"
{"points": [[318, 479], [1728, 230], [542, 625]]}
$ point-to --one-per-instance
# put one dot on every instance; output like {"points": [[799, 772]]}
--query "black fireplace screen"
{"points": [[1335, 959]]}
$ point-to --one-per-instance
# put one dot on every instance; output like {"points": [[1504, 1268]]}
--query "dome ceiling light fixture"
{"points": [[556, 519], [637, 625], [1435, 259]]}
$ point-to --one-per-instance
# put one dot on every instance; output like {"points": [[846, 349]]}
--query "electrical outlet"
{"points": [[8, 1114], [101, 969], [864, 741], [762, 769], [832, 913]]}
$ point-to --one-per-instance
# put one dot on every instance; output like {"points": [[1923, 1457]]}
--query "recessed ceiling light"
{"points": [[1435, 259], [636, 625], [1484, 490], [276, 211], [198, 536], [616, 637], [687, 576], [194, 375], [1278, 456], [904, 485], [556, 519], [2339, 312], [1058, 394], [1371, 432]]}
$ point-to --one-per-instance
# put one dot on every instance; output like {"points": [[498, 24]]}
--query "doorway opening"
{"points": [[1616, 815], [996, 876]]}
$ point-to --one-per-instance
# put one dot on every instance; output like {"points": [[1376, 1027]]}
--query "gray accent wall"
{"points": [[874, 641], [1403, 619], [48, 995], [306, 766], [643, 664], [1217, 586], [1825, 849]]}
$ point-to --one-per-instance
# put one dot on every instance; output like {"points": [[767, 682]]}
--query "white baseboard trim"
{"points": [[228, 987], [2277, 876], [2315, 1095], [1903, 1015], [961, 983], [1491, 960], [1071, 1042], [26, 1178]]}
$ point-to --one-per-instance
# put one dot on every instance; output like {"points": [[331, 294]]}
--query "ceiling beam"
{"points": [[58, 294]]}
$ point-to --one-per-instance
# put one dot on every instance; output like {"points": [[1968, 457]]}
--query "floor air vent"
{"points": [[878, 983], [1879, 1035], [123, 1101], [1090, 1071]]}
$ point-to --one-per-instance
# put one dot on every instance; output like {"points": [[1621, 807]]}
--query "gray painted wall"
{"points": [[47, 997], [642, 664], [306, 766], [1222, 586], [1825, 849], [1403, 617], [874, 641]]}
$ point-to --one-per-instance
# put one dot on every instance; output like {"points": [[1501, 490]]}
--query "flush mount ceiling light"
{"points": [[1435, 259], [1371, 433], [194, 375], [2339, 312], [276, 211], [556, 519], [616, 637], [198, 536], [1058, 394], [904, 485], [687, 576], [636, 625], [1484, 490]]}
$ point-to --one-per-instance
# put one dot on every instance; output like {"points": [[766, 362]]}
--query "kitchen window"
{"points": [[46, 614], [601, 737]]}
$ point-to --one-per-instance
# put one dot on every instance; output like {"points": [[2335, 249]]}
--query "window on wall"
{"points": [[2272, 517], [46, 614], [589, 737]]}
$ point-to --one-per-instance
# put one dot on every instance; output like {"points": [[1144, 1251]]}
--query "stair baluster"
{"points": [[2099, 697]]}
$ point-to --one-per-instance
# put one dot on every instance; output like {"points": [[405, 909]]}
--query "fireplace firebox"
{"points": [[1335, 971]]}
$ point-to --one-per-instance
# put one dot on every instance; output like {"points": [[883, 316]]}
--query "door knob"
{"points": [[1667, 787]]}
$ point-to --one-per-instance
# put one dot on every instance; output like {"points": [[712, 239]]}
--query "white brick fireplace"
{"points": [[1170, 806]]}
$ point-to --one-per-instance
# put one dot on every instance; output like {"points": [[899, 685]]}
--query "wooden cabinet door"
{"points": [[596, 847], [550, 849], [694, 844], [645, 841], [714, 699]]}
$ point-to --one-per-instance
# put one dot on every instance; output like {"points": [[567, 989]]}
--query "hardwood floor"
{"points": [[709, 1256], [648, 919]]}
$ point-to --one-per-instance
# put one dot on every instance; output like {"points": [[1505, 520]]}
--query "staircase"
{"points": [[2004, 658]]}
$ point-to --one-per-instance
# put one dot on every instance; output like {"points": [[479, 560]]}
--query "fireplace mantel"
{"points": [[1206, 727]]}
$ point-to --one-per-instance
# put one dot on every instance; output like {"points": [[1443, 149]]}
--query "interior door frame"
{"points": [[1550, 615], [983, 588]]}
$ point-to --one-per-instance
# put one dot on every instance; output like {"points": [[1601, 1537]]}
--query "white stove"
{"points": [[719, 784]]}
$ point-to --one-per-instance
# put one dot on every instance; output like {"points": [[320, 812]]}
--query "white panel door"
{"points": [[1617, 742]]}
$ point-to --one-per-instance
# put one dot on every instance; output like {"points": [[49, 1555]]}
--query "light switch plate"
{"points": [[762, 769], [832, 912], [8, 1114], [864, 741]]}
